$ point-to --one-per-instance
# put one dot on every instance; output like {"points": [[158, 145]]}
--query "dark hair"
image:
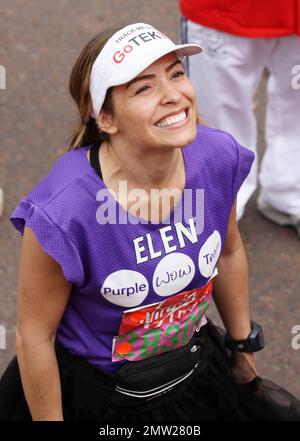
{"points": [[86, 131]]}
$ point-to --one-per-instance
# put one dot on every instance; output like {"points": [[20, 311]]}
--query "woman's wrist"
{"points": [[240, 331], [240, 357]]}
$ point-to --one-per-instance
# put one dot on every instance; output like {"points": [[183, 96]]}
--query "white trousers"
{"points": [[226, 78]]}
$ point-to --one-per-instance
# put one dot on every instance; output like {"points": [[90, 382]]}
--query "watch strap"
{"points": [[253, 343], [238, 345]]}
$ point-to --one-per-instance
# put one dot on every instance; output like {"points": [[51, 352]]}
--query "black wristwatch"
{"points": [[253, 343]]}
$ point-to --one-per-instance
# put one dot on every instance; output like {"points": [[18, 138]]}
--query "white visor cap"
{"points": [[126, 54]]}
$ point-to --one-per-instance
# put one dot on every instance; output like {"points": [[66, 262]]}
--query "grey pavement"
{"points": [[39, 41]]}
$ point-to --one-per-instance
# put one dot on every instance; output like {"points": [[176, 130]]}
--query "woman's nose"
{"points": [[169, 93]]}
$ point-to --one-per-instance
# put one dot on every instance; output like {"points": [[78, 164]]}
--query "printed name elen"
{"points": [[144, 244]]}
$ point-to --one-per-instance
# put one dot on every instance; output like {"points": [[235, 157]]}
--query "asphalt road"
{"points": [[39, 41]]}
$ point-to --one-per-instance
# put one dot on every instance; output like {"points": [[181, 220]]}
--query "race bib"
{"points": [[153, 329]]}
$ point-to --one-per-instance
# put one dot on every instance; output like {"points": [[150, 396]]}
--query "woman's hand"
{"points": [[243, 366]]}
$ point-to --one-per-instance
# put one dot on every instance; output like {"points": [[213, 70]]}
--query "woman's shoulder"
{"points": [[211, 139], [219, 147], [59, 196], [69, 169], [221, 159], [50, 210]]}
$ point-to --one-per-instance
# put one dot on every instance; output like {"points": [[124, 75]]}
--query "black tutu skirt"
{"points": [[211, 395]]}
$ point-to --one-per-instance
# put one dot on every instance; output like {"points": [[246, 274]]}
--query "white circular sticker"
{"points": [[125, 288], [209, 254], [173, 273]]}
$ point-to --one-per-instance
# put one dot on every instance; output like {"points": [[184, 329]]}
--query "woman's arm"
{"points": [[43, 296], [231, 296]]}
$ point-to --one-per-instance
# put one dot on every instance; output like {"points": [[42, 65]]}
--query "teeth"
{"points": [[172, 120]]}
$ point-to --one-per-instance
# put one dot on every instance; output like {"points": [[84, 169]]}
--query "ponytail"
{"points": [[86, 132]]}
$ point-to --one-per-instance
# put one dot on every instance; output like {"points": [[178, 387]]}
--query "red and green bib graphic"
{"points": [[153, 329]]}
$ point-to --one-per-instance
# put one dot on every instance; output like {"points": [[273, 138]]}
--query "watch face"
{"points": [[256, 337], [258, 341], [261, 339]]}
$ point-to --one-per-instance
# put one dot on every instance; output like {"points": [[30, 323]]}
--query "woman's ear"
{"points": [[106, 123]]}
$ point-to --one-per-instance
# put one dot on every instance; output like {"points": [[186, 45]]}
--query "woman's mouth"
{"points": [[176, 120]]}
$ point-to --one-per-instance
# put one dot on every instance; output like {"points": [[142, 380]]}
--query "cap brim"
{"points": [[182, 50]]}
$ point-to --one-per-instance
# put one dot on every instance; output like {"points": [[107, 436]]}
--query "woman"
{"points": [[111, 320]]}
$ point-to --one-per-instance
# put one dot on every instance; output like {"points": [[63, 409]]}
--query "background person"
{"points": [[241, 40]]}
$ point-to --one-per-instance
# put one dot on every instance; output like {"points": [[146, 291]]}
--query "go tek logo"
{"points": [[139, 39]]}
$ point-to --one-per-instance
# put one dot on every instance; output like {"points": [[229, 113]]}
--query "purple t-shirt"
{"points": [[138, 288]]}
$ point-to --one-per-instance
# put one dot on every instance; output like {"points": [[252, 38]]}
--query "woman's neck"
{"points": [[148, 169]]}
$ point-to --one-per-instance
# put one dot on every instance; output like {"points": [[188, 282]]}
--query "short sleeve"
{"points": [[244, 160], [54, 241]]}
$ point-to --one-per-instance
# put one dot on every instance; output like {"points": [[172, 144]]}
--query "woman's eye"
{"points": [[178, 74], [142, 89]]}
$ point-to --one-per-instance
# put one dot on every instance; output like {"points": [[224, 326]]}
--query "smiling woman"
{"points": [[114, 318], [168, 118]]}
